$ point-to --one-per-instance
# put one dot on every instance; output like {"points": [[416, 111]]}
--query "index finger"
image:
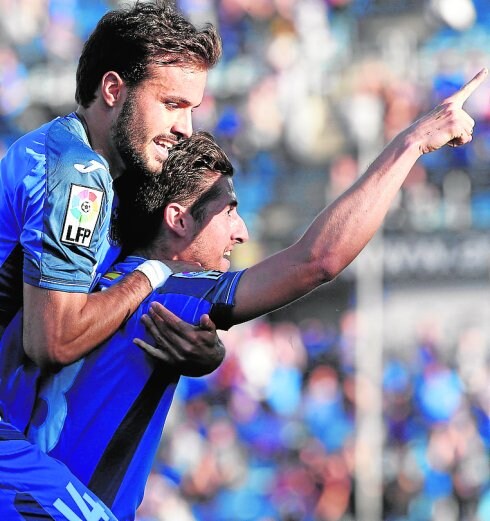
{"points": [[465, 91]]}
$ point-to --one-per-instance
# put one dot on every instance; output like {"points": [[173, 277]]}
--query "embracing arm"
{"points": [[343, 229], [59, 327]]}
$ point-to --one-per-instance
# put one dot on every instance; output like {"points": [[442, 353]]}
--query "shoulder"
{"points": [[118, 271], [58, 149], [190, 295], [23, 167], [28, 148], [210, 285], [68, 151]]}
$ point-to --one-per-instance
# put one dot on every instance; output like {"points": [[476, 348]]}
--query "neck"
{"points": [[157, 250], [98, 128], [81, 117]]}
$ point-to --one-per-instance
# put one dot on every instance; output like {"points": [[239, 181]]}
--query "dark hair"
{"points": [[185, 179], [186, 170], [128, 40]]}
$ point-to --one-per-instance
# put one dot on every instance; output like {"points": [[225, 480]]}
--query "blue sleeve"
{"points": [[190, 295], [65, 199]]}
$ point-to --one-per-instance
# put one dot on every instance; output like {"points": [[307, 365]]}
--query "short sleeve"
{"points": [[67, 197], [190, 295]]}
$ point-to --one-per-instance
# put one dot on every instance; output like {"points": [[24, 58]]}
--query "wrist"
{"points": [[156, 272], [416, 139], [409, 144]]}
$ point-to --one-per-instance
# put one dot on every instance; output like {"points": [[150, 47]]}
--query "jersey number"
{"points": [[90, 509]]}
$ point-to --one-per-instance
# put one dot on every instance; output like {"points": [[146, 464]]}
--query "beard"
{"points": [[125, 136], [141, 192]]}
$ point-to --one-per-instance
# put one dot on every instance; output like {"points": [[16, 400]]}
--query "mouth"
{"points": [[163, 146], [227, 253]]}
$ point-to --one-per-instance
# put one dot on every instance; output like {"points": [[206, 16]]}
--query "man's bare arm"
{"points": [[344, 228], [61, 327]]}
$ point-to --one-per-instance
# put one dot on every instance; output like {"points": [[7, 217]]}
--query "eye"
{"points": [[171, 105]]}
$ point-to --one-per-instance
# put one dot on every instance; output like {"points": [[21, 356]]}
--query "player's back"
{"points": [[103, 416]]}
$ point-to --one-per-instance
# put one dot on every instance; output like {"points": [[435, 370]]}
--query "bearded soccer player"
{"points": [[141, 73], [103, 416]]}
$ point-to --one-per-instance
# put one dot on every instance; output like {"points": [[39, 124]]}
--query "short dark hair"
{"points": [[185, 179], [187, 168], [128, 40]]}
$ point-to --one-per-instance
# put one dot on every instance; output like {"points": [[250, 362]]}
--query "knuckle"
{"points": [[159, 340]]}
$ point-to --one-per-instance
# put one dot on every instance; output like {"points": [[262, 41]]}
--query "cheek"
{"points": [[224, 230], [155, 121], [151, 117], [221, 244], [165, 120]]}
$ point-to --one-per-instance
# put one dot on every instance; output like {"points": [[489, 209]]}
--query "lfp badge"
{"points": [[81, 215]]}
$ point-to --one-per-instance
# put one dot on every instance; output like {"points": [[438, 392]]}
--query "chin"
{"points": [[224, 265], [156, 165]]}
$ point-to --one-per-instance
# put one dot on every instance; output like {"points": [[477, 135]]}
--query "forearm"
{"points": [[332, 241], [60, 328], [338, 235], [341, 231]]}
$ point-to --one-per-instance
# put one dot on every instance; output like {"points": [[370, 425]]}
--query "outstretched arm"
{"points": [[343, 229]]}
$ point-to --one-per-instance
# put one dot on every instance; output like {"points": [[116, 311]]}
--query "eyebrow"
{"points": [[180, 101]]}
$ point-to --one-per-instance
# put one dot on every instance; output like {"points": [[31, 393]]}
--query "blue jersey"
{"points": [[103, 416], [55, 205], [35, 486]]}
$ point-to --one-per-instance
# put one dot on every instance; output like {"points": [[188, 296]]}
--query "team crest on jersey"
{"points": [[82, 213], [211, 274]]}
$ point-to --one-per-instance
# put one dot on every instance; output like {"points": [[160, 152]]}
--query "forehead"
{"points": [[227, 189], [180, 82], [221, 186]]}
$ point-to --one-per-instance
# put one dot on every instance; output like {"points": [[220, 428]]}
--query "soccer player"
{"points": [[103, 415], [140, 75]]}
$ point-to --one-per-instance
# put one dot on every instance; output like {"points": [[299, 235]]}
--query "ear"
{"points": [[178, 219], [112, 88]]}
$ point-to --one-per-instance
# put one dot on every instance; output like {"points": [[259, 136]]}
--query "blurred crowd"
{"points": [[271, 434], [307, 93], [305, 96]]}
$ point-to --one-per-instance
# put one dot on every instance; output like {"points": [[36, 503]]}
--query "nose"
{"points": [[183, 124], [240, 234]]}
